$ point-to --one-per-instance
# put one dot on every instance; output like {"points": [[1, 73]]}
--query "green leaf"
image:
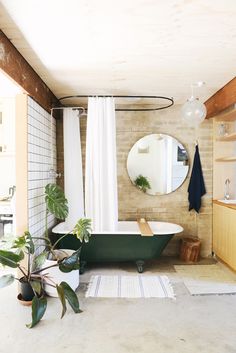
{"points": [[142, 183], [70, 263], [82, 229], [9, 258], [39, 260], [36, 286], [62, 298], [56, 202], [6, 280], [71, 297], [30, 243], [19, 242], [39, 306], [24, 242]]}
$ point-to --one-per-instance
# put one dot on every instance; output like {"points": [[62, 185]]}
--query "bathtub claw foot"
{"points": [[140, 266], [82, 267]]}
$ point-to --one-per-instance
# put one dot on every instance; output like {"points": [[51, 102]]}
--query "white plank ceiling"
{"points": [[125, 47]]}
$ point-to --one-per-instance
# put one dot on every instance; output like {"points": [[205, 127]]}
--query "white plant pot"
{"points": [[57, 276]]}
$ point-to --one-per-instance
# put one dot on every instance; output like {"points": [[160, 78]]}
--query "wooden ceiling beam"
{"points": [[17, 68], [222, 99]]}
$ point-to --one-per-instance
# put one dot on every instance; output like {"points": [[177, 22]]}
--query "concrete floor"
{"points": [[189, 324]]}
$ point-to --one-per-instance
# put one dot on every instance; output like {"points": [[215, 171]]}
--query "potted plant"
{"points": [[34, 275], [56, 204], [142, 183]]}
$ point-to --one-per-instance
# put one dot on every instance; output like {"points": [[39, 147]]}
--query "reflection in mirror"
{"points": [[157, 164]]}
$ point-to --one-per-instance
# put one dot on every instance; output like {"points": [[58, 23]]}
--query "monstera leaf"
{"points": [[24, 241], [82, 229], [56, 202]]}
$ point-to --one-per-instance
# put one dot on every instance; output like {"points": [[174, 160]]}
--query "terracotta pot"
{"points": [[24, 302]]}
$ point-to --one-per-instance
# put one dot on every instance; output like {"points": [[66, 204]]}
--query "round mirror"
{"points": [[158, 164]]}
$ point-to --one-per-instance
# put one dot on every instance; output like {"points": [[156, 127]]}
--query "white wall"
{"points": [[7, 140], [39, 164]]}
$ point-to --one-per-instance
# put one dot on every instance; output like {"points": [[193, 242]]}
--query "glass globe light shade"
{"points": [[193, 111]]}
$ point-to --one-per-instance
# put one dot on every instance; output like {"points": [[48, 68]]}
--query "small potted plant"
{"points": [[142, 183], [35, 276]]}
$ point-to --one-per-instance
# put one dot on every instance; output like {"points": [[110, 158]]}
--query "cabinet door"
{"points": [[220, 231], [224, 234], [232, 238]]}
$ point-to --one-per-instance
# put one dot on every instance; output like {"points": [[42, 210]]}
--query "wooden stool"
{"points": [[190, 249]]}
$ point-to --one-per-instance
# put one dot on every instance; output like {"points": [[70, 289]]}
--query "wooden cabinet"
{"points": [[224, 158], [224, 234], [224, 167]]}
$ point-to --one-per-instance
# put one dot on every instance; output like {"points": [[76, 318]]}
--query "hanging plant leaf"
{"points": [[9, 258], [71, 297], [62, 298], [6, 280], [56, 202], [39, 306], [70, 263]]}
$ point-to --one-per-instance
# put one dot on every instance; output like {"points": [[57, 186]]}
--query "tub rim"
{"points": [[59, 229]]}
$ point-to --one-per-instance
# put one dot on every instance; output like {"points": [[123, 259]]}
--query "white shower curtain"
{"points": [[73, 174], [101, 202]]}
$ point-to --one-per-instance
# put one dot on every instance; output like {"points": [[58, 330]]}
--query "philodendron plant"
{"points": [[27, 246]]}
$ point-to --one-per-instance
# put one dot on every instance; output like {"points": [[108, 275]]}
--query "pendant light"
{"points": [[194, 111]]}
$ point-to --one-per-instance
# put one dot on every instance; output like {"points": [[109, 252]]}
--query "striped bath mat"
{"points": [[130, 287]]}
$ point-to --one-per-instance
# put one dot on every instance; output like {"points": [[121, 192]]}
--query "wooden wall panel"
{"points": [[222, 99]]}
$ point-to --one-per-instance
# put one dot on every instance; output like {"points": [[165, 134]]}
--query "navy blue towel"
{"points": [[196, 188]]}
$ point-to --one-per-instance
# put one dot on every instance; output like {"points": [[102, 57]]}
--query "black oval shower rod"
{"points": [[169, 104]]}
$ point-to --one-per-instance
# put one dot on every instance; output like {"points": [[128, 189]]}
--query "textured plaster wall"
{"points": [[173, 207]]}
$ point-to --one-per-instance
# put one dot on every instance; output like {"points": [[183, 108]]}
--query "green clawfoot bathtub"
{"points": [[126, 244]]}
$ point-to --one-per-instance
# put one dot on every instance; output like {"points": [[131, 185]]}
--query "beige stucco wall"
{"points": [[173, 207]]}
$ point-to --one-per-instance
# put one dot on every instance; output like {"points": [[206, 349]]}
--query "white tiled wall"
{"points": [[40, 160]]}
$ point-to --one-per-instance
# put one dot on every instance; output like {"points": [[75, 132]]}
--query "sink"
{"points": [[228, 201], [5, 207], [6, 198]]}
